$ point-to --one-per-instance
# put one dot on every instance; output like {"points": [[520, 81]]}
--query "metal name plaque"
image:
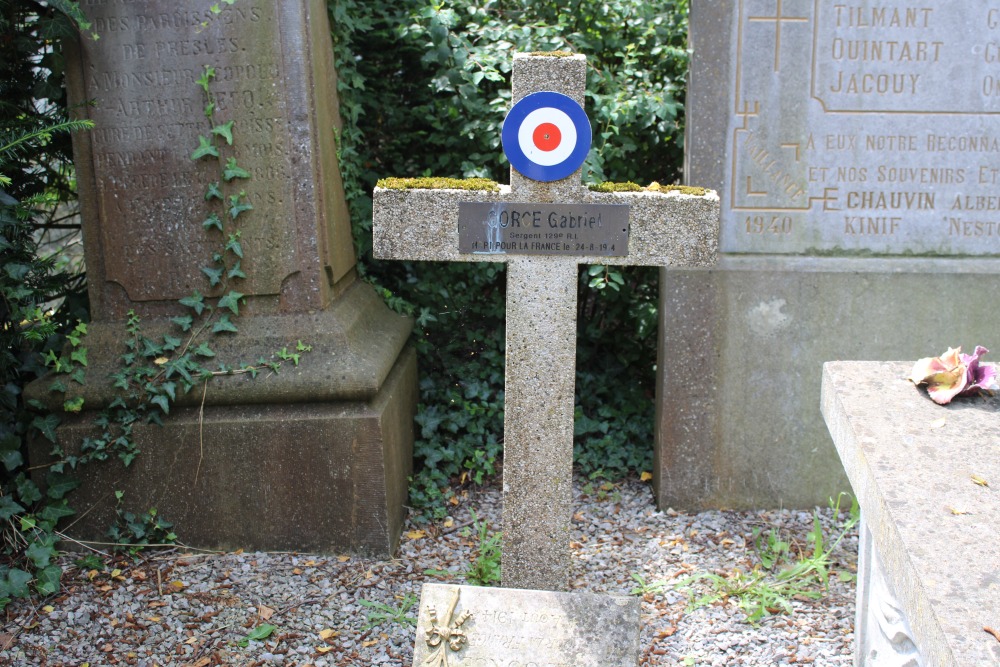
{"points": [[496, 228]]}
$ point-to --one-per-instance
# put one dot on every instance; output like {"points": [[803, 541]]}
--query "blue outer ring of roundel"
{"points": [[524, 165]]}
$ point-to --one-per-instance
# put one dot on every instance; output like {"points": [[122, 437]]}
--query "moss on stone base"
{"points": [[552, 54], [438, 183], [629, 186]]}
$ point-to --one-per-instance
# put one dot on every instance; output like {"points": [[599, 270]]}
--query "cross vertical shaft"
{"points": [[540, 372], [540, 377]]}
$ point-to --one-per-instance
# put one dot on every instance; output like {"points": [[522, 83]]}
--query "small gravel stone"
{"points": [[197, 609]]}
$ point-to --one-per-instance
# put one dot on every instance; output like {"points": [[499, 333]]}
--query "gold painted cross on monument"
{"points": [[543, 229]]}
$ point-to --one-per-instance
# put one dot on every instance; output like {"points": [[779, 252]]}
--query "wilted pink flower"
{"points": [[954, 374]]}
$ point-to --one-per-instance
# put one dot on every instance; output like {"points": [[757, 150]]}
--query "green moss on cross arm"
{"points": [[629, 186], [552, 54], [437, 183]]}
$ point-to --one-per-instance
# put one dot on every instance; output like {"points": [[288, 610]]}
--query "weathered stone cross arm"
{"points": [[665, 229]]}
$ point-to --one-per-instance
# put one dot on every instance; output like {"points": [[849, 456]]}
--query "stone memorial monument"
{"points": [[314, 457], [856, 152], [544, 225]]}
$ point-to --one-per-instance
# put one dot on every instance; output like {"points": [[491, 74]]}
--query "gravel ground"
{"points": [[197, 609]]}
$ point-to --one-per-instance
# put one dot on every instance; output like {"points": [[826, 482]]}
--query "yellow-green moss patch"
{"points": [[629, 186], [438, 183], [553, 54]]}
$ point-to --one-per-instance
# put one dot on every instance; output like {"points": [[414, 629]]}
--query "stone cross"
{"points": [[662, 229]]}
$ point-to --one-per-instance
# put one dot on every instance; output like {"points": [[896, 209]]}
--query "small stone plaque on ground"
{"points": [[471, 626], [543, 229]]}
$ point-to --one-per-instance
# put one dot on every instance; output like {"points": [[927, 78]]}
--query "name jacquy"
{"points": [[537, 219]]}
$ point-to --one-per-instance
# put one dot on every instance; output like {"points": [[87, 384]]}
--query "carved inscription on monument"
{"points": [[140, 80], [862, 126]]}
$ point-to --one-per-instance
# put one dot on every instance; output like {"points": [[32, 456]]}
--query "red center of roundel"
{"points": [[546, 137]]}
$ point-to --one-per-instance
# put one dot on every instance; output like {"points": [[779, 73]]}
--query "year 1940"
{"points": [[773, 224]]}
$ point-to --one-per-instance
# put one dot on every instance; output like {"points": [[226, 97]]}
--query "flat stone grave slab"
{"points": [[928, 480], [471, 626]]}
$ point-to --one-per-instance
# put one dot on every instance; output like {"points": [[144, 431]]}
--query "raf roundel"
{"points": [[546, 136]]}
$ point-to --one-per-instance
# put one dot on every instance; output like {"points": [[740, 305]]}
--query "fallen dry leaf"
{"points": [[343, 559], [327, 634], [938, 423], [191, 640], [264, 612], [323, 649], [977, 479], [369, 643], [416, 534], [448, 523], [453, 500], [958, 512], [995, 633], [296, 570], [646, 476]]}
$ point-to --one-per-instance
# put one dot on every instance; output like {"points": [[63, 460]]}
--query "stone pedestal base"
{"points": [[315, 477]]}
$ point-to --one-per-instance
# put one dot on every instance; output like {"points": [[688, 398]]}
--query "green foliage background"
{"points": [[424, 87], [36, 193]]}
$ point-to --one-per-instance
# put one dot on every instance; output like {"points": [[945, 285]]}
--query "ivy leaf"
{"points": [[226, 132], [213, 192], [214, 275], [224, 325], [27, 490], [40, 553], [58, 386], [59, 485], [238, 204], [183, 321], [236, 272], [73, 404], [53, 512], [205, 148], [260, 633], [46, 426], [15, 584], [47, 580], [204, 350], [170, 389], [231, 301], [213, 221], [12, 460], [79, 355], [234, 246], [78, 376], [8, 508], [162, 402], [196, 301], [206, 76], [234, 171]]}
